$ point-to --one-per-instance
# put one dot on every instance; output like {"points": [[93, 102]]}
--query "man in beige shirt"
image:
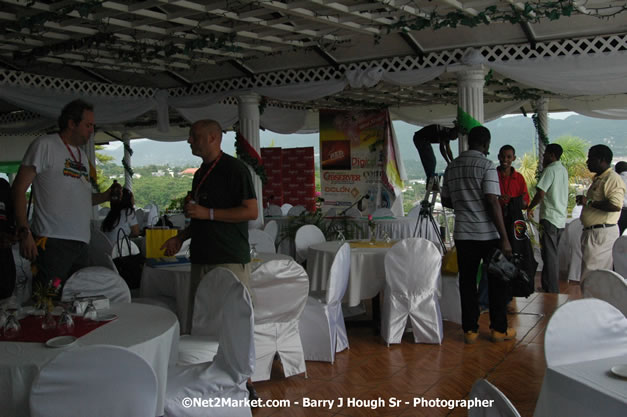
{"points": [[602, 207]]}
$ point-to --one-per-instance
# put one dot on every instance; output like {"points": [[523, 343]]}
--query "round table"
{"points": [[367, 276], [174, 281], [151, 332]]}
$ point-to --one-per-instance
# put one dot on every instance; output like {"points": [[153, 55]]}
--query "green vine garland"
{"points": [[539, 130]]}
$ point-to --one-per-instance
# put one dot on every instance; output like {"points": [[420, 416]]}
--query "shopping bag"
{"points": [[155, 238], [522, 249], [449, 262], [129, 266]]}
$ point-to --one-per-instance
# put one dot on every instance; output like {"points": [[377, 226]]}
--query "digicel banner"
{"points": [[352, 158]]}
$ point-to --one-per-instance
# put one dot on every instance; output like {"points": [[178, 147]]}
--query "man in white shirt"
{"points": [[621, 169], [59, 172]]}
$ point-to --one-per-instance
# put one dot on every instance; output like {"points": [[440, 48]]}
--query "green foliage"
{"points": [[412, 195], [160, 190]]}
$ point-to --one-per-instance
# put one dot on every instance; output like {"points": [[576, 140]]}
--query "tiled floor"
{"points": [[370, 370]]}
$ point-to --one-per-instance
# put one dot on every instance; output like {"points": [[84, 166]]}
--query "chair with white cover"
{"points": [[383, 212], [412, 284], [285, 208], [619, 253], [152, 215], [415, 211], [584, 330], [569, 251], [178, 220], [97, 280], [263, 241], [296, 210], [234, 361], [99, 246], [274, 211], [501, 406], [140, 214], [96, 380], [281, 288], [353, 212], [608, 286], [272, 228], [322, 328], [306, 236]]}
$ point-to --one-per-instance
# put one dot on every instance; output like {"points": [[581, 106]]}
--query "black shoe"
{"points": [[252, 393]]}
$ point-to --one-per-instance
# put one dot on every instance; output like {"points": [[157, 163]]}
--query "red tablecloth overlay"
{"points": [[32, 332]]}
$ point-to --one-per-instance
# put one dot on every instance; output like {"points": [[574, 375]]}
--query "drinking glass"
{"points": [[386, 237], [66, 322], [3, 316], [12, 326], [340, 236], [48, 322], [253, 251], [90, 311]]}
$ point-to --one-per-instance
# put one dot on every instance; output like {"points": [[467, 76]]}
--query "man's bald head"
{"points": [[205, 138]]}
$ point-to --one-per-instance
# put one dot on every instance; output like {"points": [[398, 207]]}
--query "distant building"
{"points": [[188, 171]]}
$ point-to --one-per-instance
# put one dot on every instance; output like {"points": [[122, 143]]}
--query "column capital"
{"points": [[249, 98], [471, 77]]}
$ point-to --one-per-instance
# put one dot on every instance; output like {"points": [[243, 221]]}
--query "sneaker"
{"points": [[499, 337], [470, 337]]}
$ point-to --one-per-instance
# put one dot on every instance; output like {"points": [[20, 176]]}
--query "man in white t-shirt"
{"points": [[58, 170]]}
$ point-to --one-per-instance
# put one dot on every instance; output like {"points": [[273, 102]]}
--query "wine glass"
{"points": [[90, 312], [3, 316], [386, 237], [66, 322], [253, 251], [12, 326], [340, 236]]}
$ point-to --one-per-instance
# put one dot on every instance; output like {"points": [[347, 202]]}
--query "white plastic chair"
{"points": [[569, 251], [263, 241], [619, 254], [97, 280], [296, 210], [322, 328], [285, 208], [98, 381], [306, 236], [608, 286], [412, 283], [272, 228], [178, 220], [383, 212], [584, 330], [233, 364], [482, 389], [280, 288], [353, 212], [274, 211]]}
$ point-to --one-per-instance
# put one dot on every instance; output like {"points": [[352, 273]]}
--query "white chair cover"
{"points": [[296, 210], [353, 212], [322, 328], [306, 236], [383, 212], [274, 211], [152, 215], [263, 241], [272, 228], [415, 211], [178, 220], [569, 251], [226, 376], [412, 283], [140, 214], [584, 330], [482, 389], [285, 208], [280, 289], [97, 380], [97, 280], [608, 286], [99, 247], [103, 211], [332, 212], [134, 249], [619, 253]]}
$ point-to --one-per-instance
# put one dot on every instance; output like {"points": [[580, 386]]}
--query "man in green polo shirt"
{"points": [[552, 192]]}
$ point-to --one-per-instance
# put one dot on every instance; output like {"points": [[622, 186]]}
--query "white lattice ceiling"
{"points": [[170, 43]]}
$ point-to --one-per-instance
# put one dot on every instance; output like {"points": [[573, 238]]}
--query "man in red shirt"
{"points": [[512, 183]]}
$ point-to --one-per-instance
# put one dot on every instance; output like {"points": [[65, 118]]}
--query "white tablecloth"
{"points": [[583, 389], [151, 332], [398, 228], [367, 276], [174, 281]]}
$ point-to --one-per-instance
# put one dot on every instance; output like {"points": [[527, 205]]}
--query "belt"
{"points": [[598, 226]]}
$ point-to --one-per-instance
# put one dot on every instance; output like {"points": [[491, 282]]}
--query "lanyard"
{"points": [[80, 158], [213, 165]]}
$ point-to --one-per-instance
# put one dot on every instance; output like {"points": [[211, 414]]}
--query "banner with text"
{"points": [[354, 160]]}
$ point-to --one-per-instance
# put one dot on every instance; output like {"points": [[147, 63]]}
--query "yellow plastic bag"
{"points": [[449, 262], [154, 240]]}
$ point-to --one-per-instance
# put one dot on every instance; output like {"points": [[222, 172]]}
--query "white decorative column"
{"points": [[90, 150], [248, 106], [541, 108], [128, 178], [470, 97]]}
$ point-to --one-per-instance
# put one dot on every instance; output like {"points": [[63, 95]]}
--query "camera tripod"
{"points": [[425, 223]]}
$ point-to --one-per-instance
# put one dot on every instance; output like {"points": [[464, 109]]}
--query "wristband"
{"points": [[210, 214]]}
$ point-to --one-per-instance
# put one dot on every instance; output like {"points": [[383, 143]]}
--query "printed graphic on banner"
{"points": [[353, 158]]}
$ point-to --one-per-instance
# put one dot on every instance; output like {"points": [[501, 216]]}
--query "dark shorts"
{"points": [[59, 258]]}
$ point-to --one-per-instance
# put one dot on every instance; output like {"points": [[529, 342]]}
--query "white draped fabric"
{"points": [[501, 406]]}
